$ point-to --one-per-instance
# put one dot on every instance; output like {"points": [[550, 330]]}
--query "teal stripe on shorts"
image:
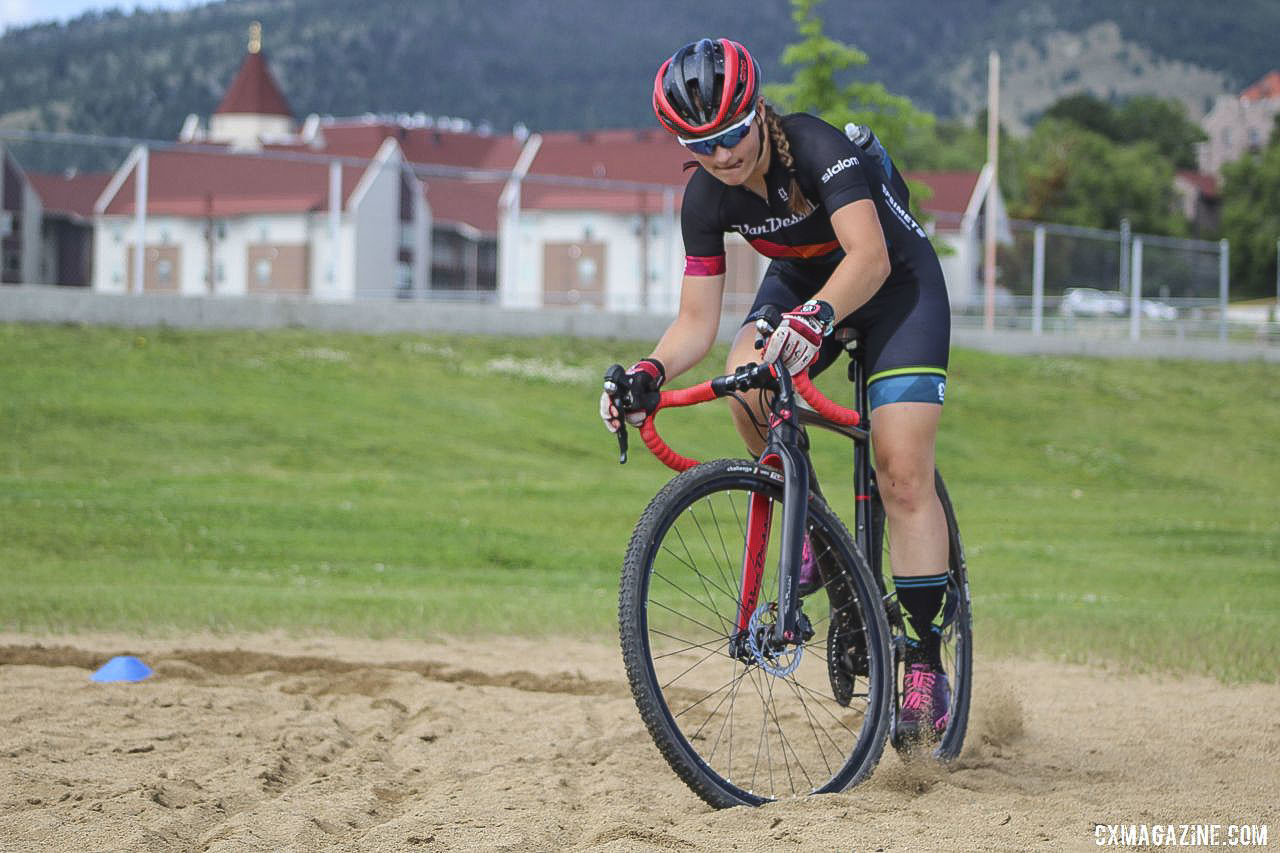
{"points": [[907, 388]]}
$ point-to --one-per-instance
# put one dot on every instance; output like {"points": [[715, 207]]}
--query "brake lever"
{"points": [[763, 330], [622, 441], [614, 380]]}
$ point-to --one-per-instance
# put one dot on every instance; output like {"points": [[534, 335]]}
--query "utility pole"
{"points": [[993, 190]]}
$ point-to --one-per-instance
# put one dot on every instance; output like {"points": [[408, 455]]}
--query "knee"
{"points": [[905, 483]]}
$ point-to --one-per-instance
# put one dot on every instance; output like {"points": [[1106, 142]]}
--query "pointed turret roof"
{"points": [[254, 90]]}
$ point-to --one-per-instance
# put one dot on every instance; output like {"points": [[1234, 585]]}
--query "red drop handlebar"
{"points": [[705, 391]]}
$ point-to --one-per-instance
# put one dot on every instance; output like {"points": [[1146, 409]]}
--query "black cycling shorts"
{"points": [[905, 330]]}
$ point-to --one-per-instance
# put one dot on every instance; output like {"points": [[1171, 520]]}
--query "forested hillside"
{"points": [[585, 64]]}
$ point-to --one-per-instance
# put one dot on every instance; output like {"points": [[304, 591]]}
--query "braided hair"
{"points": [[796, 203]]}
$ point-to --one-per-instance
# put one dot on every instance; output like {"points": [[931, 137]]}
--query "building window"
{"points": [[164, 271], [262, 272], [1255, 138]]}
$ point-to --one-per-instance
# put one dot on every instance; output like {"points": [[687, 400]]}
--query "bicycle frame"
{"points": [[785, 449]]}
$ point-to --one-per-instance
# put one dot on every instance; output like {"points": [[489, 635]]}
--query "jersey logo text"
{"points": [[838, 167]]}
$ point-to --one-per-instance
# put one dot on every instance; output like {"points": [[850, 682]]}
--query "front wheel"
{"points": [[739, 722], [955, 625]]}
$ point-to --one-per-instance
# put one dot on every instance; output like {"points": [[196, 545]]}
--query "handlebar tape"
{"points": [[833, 412]]}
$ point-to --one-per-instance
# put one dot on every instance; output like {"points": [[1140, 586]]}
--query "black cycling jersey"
{"points": [[906, 325], [832, 172]]}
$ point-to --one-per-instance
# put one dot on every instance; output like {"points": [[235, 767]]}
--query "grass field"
{"points": [[159, 481]]}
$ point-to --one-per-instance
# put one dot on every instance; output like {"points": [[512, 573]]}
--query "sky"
{"points": [[17, 13]]}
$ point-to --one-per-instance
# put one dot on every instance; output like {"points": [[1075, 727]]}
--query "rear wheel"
{"points": [[739, 723], [955, 623]]}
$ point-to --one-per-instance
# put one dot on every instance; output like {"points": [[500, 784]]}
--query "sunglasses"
{"points": [[727, 138]]}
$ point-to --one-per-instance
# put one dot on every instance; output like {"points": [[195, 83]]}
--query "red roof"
{"points": [[71, 195], [451, 199], [1266, 88], [191, 183], [639, 156], [951, 191], [254, 91], [473, 203], [421, 145], [1206, 185], [645, 156]]}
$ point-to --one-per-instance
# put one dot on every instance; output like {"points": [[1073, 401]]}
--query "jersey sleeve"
{"points": [[827, 162], [701, 229]]}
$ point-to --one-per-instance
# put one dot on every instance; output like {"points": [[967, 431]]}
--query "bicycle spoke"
{"points": [[782, 740], [711, 508], [727, 721], [692, 667], [725, 627], [715, 631], [689, 553], [688, 648], [728, 561], [705, 698]]}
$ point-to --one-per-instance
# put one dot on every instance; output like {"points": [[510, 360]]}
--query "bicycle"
{"points": [[716, 664]]}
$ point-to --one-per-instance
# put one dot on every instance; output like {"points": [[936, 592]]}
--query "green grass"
{"points": [[1119, 511]]}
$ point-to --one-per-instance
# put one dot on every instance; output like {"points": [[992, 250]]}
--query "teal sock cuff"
{"points": [[920, 582]]}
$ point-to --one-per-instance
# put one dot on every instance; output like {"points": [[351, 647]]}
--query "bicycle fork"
{"points": [[790, 626]]}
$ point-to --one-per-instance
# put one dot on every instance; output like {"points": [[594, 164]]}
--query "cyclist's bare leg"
{"points": [[743, 352], [904, 439]]}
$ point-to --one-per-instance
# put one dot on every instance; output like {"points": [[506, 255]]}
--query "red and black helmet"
{"points": [[704, 85]]}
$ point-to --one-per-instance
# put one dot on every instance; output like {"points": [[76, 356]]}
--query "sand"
{"points": [[272, 743]]}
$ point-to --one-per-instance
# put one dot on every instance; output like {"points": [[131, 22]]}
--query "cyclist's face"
{"points": [[735, 165]]}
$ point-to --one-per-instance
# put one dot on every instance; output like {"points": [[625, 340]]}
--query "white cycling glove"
{"points": [[799, 336]]}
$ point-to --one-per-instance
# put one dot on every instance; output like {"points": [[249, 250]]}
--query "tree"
{"points": [[1164, 123], [820, 85], [1251, 220], [1078, 177], [1087, 111], [819, 64], [1142, 118]]}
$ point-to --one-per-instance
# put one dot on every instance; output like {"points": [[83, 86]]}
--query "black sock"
{"points": [[921, 597]]}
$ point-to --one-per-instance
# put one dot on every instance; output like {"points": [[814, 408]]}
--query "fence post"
{"points": [[1037, 282], [335, 225], [1126, 238], [1135, 291], [140, 220], [1224, 285]]}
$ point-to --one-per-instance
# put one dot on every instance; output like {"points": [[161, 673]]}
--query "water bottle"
{"points": [[861, 135]]}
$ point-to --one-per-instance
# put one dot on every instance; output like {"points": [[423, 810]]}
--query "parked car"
{"points": [[1091, 302], [1153, 310]]}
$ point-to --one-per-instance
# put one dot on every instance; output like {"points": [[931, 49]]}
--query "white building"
{"points": [[1239, 123], [219, 223]]}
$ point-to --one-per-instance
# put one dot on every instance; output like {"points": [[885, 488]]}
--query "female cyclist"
{"points": [[845, 252]]}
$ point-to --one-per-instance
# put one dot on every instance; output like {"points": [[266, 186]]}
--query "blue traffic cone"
{"points": [[122, 668]]}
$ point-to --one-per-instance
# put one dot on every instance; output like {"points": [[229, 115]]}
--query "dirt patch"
{"points": [[270, 743]]}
